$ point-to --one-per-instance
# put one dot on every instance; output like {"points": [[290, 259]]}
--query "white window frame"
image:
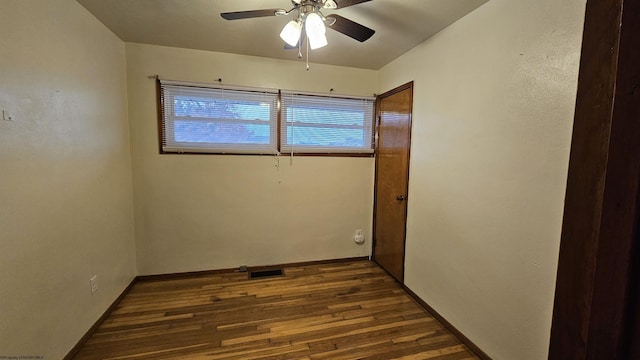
{"points": [[291, 101], [281, 103], [169, 90]]}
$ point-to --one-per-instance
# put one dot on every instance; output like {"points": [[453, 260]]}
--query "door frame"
{"points": [[394, 91], [596, 308]]}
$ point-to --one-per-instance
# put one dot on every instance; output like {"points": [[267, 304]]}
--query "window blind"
{"points": [[207, 119], [326, 124]]}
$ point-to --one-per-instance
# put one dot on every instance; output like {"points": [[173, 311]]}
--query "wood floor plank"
{"points": [[430, 354], [350, 310]]}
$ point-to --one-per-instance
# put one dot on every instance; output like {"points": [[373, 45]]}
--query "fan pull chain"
{"points": [[307, 53]]}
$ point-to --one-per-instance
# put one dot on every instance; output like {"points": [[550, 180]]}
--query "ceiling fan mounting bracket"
{"points": [[317, 4]]}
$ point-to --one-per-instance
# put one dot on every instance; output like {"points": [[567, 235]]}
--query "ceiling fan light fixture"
{"points": [[316, 30], [291, 32], [317, 42]]}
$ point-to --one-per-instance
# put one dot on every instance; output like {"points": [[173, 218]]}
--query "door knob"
{"points": [[400, 197]]}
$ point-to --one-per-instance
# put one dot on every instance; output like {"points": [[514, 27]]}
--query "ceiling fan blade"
{"points": [[350, 28], [344, 3], [236, 15]]}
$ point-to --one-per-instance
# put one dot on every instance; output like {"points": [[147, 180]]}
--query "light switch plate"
{"points": [[94, 284]]}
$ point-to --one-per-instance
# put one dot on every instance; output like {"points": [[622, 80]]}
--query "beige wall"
{"points": [[493, 110], [494, 96], [66, 210], [200, 212]]}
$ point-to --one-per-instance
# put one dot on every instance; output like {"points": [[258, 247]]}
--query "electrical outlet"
{"points": [[359, 237], [94, 284]]}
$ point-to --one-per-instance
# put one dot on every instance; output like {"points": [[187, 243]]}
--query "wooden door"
{"points": [[393, 110]]}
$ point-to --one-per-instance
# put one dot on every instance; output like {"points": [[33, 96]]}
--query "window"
{"points": [[324, 124], [202, 118], [218, 120]]}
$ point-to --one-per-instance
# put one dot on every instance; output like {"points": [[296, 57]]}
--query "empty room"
{"points": [[286, 179]]}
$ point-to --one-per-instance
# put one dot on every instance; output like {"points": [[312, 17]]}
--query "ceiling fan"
{"points": [[308, 17]]}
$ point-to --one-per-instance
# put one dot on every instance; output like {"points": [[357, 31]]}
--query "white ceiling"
{"points": [[196, 24]]}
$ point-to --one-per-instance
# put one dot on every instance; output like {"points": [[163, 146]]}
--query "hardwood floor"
{"points": [[350, 310]]}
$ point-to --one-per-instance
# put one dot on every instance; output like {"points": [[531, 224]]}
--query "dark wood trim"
{"points": [[160, 112], [398, 89], [190, 274], [409, 86], [376, 129], [374, 126], [309, 263], [361, 155], [184, 275], [279, 121], [593, 310], [465, 340], [631, 341], [99, 322]]}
